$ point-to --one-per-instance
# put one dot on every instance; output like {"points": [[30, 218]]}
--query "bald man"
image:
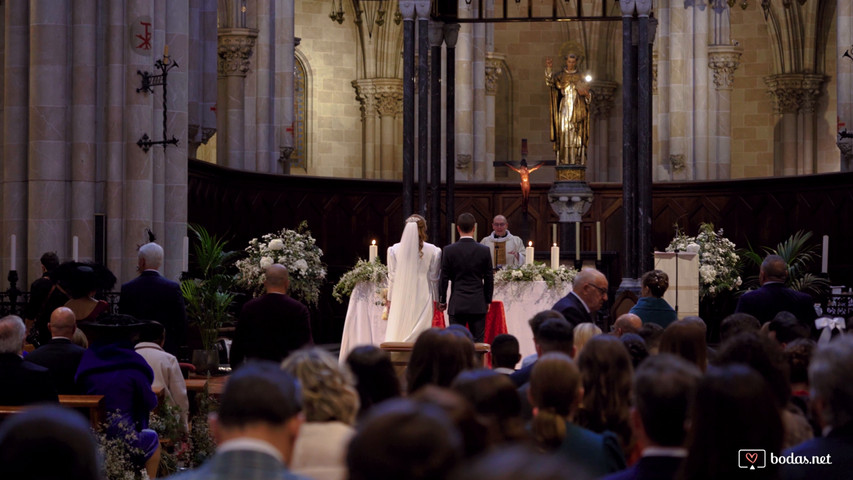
{"points": [[774, 297], [626, 323], [272, 325], [513, 246], [61, 356], [589, 292]]}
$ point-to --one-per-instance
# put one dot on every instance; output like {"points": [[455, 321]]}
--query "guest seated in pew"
{"points": [[518, 462], [167, 371], [556, 393], [256, 427], [589, 292], [331, 404], [22, 382], [737, 323], [45, 296], [375, 378], [437, 357], [651, 307], [583, 332], [111, 368], [496, 402], [61, 356], [664, 390], [82, 281], [505, 353], [553, 335], [626, 323], [535, 322], [686, 338], [48, 443], [651, 333], [774, 297]]}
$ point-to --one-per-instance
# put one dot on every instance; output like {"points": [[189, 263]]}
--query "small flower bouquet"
{"points": [[718, 262], [537, 272], [363, 271], [296, 250]]}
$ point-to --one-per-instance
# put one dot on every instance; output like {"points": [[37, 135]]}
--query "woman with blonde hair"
{"points": [[582, 333], [330, 402], [413, 272]]}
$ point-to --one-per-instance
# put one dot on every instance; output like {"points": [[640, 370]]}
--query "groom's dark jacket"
{"points": [[468, 266]]}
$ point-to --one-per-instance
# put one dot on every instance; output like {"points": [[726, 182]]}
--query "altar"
{"points": [[521, 300]]}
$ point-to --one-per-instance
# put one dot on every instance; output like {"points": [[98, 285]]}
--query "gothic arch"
{"points": [[303, 120]]}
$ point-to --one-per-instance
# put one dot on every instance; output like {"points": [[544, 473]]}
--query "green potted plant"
{"points": [[799, 255], [208, 294]]}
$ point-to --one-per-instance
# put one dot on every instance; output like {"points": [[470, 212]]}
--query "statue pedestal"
{"points": [[570, 199]]}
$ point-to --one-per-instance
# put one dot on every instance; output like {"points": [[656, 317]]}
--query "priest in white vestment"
{"points": [[513, 246]]}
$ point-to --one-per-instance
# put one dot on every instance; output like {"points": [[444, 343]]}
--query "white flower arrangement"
{"points": [[537, 272], [296, 250], [718, 262], [363, 271]]}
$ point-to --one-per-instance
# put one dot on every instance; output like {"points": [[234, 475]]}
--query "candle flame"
{"points": [[555, 244], [373, 242], [530, 243]]}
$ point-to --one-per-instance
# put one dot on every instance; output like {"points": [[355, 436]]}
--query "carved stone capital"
{"points": [[234, 49], [451, 34], [724, 60], [644, 7], [365, 93], [628, 7], [812, 86], [846, 146], [463, 161], [794, 91], [494, 68], [602, 97], [379, 96]]}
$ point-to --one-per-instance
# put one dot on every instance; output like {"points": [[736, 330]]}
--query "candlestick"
{"points": [[555, 257], [75, 243], [598, 241], [528, 252], [475, 231], [553, 233], [824, 255], [577, 241], [374, 251], [452, 233], [185, 255], [14, 246]]}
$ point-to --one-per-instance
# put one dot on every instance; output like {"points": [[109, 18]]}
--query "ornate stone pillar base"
{"points": [[570, 200]]}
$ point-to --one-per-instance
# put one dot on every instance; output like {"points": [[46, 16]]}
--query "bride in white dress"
{"points": [[413, 273]]}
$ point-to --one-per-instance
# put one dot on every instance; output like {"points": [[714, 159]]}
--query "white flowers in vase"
{"points": [[718, 262]]}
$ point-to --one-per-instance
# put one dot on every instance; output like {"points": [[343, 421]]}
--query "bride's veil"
{"points": [[403, 312]]}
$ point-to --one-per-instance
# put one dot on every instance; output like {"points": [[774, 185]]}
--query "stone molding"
{"points": [[494, 68], [793, 92], [602, 97], [724, 60], [235, 49], [379, 96]]}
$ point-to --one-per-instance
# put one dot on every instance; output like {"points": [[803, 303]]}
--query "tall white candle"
{"points": [[553, 233], [374, 251], [452, 233], [528, 252], [75, 247], [475, 231], [185, 255], [598, 241], [824, 255], [577, 240], [555, 256], [14, 241]]}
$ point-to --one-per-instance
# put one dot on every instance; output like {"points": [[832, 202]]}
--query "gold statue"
{"points": [[569, 108]]}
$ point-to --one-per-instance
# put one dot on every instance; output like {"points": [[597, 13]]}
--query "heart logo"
{"points": [[752, 457]]}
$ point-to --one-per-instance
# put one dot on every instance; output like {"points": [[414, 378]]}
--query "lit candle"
{"points": [[75, 244], [824, 255], [554, 233], [374, 251], [577, 240], [452, 233], [14, 251], [555, 257], [529, 253], [598, 241], [185, 255]]}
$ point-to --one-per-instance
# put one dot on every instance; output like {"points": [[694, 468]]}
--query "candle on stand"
{"points": [[577, 241], [528, 252], [555, 257], [475, 231], [185, 255], [553, 233], [75, 244], [824, 255], [452, 233], [374, 251], [598, 241], [14, 252]]}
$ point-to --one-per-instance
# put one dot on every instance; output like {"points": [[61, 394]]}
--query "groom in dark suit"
{"points": [[468, 266]]}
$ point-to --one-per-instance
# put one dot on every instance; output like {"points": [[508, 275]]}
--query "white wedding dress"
{"points": [[412, 286]]}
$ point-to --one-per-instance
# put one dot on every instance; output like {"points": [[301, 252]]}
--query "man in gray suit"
{"points": [[256, 427], [468, 266]]}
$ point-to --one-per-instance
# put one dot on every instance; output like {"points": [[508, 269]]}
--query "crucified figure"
{"points": [[524, 173]]}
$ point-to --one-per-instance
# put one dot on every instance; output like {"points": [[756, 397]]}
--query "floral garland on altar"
{"points": [[296, 250], [363, 271], [536, 272], [718, 261]]}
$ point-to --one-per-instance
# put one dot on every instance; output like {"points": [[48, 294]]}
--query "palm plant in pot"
{"points": [[207, 293], [800, 255]]}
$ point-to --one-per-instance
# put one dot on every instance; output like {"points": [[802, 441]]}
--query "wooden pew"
{"points": [[91, 405]]}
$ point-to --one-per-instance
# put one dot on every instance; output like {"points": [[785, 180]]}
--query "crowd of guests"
{"points": [[648, 398]]}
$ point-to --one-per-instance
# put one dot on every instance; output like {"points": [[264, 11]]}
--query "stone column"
{"points": [[483, 170], [494, 64], [235, 49], [723, 61], [365, 93], [407, 9], [284, 70], [844, 80], [787, 95], [389, 105], [812, 85], [436, 38], [422, 10], [13, 221], [451, 34], [699, 90], [117, 29], [602, 105], [465, 94], [47, 205], [629, 151]]}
